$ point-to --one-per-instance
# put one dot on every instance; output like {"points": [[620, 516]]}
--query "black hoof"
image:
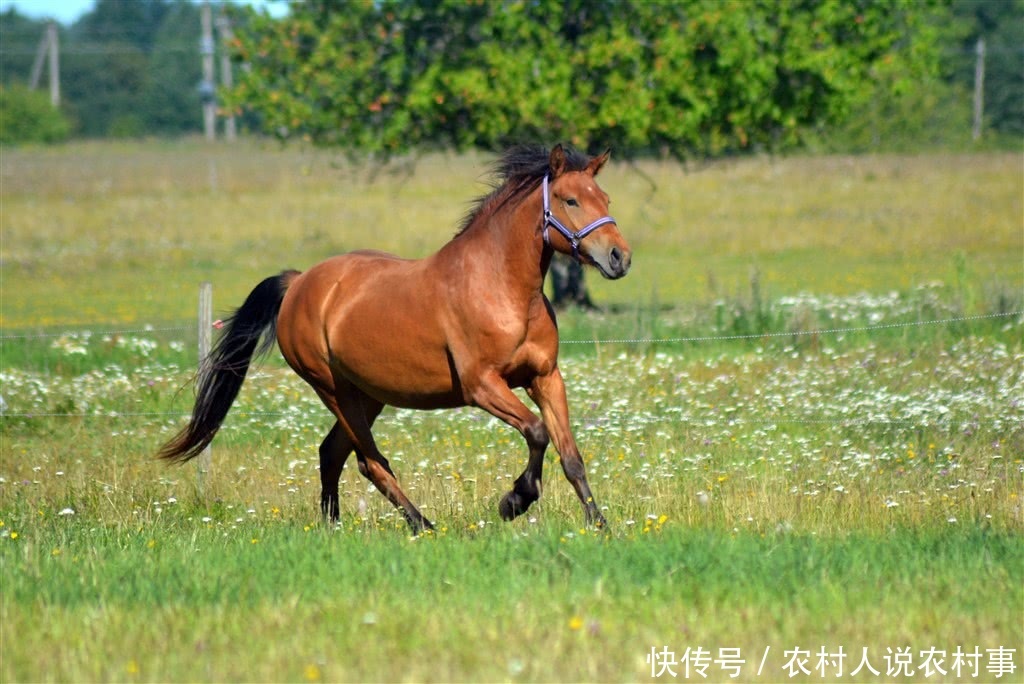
{"points": [[513, 505], [597, 522], [507, 508], [329, 509], [420, 525]]}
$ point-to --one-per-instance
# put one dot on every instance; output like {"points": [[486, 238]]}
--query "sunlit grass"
{"points": [[270, 600]]}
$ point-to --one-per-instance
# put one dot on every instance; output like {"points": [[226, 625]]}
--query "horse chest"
{"points": [[534, 354]]}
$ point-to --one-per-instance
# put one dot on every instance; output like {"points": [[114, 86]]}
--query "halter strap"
{"points": [[574, 238]]}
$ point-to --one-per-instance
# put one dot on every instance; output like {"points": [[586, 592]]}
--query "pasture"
{"points": [[802, 413]]}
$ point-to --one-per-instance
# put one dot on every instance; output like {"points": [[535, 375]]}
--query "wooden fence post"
{"points": [[205, 344]]}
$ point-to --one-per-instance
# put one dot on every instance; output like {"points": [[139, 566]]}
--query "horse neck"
{"points": [[512, 237]]}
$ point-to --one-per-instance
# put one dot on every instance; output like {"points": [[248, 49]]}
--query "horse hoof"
{"points": [[421, 526], [507, 508]]}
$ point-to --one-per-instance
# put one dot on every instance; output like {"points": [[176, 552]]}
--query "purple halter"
{"points": [[573, 238]]}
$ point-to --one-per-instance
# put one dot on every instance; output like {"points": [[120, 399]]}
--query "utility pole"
{"points": [[51, 31], [979, 88], [226, 79], [48, 47], [207, 90]]}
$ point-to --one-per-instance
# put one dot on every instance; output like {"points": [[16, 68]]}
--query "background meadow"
{"points": [[157, 219], [803, 412]]}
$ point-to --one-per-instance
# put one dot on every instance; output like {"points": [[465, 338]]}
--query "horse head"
{"points": [[577, 209]]}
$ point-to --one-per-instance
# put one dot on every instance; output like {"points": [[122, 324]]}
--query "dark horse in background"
{"points": [[461, 327]]}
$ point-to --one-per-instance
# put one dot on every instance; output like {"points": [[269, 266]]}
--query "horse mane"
{"points": [[514, 174]]}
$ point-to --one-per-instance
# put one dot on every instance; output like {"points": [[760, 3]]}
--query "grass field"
{"points": [[157, 220], [803, 414]]}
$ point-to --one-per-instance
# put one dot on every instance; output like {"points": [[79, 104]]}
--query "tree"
{"points": [[128, 68], [28, 117], [170, 93], [25, 116], [136, 68], [695, 77], [19, 40], [102, 85], [1001, 24]]}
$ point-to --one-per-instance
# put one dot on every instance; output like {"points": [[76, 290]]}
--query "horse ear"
{"points": [[597, 162], [557, 162]]}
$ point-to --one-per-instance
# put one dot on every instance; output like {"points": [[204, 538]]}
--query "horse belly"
{"points": [[384, 336], [403, 375]]}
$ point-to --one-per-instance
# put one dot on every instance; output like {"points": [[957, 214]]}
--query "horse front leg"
{"points": [[527, 487], [491, 393], [548, 391]]}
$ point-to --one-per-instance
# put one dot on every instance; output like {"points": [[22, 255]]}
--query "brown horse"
{"points": [[461, 327]]}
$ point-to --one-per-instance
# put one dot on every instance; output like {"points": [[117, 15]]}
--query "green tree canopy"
{"points": [[692, 77]]}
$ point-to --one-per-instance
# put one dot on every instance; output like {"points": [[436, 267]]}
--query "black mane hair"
{"points": [[517, 172]]}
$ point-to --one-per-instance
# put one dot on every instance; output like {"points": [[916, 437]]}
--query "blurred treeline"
{"points": [[688, 78]]}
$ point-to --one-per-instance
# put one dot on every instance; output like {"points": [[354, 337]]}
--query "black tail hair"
{"points": [[227, 365]]}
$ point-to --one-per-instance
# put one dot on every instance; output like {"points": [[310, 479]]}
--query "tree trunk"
{"points": [[567, 281]]}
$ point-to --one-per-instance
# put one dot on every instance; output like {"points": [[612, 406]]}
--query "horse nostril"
{"points": [[615, 258]]}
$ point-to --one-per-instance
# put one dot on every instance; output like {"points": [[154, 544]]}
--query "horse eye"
{"points": [[572, 202]]}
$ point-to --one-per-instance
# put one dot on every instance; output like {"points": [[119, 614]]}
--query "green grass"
{"points": [[370, 605], [803, 413]]}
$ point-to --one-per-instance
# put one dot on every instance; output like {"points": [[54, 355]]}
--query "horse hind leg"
{"points": [[334, 451], [377, 470], [356, 412]]}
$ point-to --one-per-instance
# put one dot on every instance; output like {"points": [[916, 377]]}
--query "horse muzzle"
{"points": [[613, 262]]}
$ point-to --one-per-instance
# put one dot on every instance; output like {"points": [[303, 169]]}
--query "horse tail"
{"points": [[225, 369]]}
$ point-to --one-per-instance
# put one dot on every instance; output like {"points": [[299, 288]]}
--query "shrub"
{"points": [[28, 117]]}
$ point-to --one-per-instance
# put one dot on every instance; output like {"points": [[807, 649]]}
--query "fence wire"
{"points": [[625, 340], [795, 333], [706, 422], [88, 331], [697, 422]]}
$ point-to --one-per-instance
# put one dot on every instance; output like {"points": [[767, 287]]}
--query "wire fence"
{"points": [[796, 333], [707, 422], [88, 331], [597, 341], [733, 421]]}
